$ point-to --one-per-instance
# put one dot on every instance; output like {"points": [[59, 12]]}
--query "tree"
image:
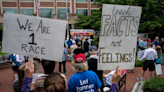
{"points": [[94, 20], [152, 15]]}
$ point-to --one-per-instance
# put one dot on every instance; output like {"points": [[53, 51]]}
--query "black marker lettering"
{"points": [[22, 25], [23, 47], [136, 25], [29, 26], [31, 49], [112, 27], [40, 26], [42, 50], [36, 50]]}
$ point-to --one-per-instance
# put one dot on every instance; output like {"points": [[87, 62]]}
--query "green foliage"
{"points": [[93, 21], [1, 26], [152, 15], [96, 40], [139, 63], [154, 85]]}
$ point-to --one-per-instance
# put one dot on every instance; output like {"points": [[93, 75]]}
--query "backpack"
{"points": [[160, 59], [14, 59]]}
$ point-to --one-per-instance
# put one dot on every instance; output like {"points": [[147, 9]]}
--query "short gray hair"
{"points": [[80, 66]]}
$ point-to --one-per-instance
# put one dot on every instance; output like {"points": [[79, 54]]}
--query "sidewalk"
{"points": [[7, 80]]}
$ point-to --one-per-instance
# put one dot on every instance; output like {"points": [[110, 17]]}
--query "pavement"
{"points": [[7, 79]]}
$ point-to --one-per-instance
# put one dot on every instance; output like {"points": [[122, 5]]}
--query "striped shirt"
{"points": [[40, 82]]}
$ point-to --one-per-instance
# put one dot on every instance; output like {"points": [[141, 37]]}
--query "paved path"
{"points": [[7, 80]]}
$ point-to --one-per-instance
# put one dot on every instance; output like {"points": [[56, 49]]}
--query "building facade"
{"points": [[55, 9]]}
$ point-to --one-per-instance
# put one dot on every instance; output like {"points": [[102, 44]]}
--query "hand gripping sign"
{"points": [[118, 36], [33, 36]]}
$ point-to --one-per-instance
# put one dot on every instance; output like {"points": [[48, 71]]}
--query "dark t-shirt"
{"points": [[78, 51], [86, 45]]}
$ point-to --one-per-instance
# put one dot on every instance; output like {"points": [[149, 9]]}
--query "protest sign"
{"points": [[143, 35], [140, 54], [118, 36], [158, 69], [33, 36]]}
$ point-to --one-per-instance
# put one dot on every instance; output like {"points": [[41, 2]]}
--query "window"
{"points": [[61, 13], [26, 0], [93, 0], [27, 11], [9, 0], [10, 10], [82, 12], [46, 0], [81, 0], [47, 12], [62, 0], [92, 11]]}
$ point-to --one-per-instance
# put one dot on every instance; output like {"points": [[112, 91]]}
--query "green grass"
{"points": [[2, 53], [154, 85]]}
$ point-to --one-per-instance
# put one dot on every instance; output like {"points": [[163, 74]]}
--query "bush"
{"points": [[96, 40], [154, 85], [140, 63]]}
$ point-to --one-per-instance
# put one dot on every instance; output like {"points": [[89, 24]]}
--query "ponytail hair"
{"points": [[54, 83]]}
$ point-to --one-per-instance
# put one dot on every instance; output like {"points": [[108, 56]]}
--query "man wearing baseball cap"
{"points": [[92, 63], [83, 80]]}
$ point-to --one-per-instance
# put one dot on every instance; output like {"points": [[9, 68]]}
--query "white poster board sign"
{"points": [[33, 36], [140, 54], [118, 36], [158, 69]]}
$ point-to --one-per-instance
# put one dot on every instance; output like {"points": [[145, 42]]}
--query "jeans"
{"points": [[63, 62]]}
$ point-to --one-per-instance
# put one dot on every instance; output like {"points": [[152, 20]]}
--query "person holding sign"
{"points": [[150, 55], [160, 58]]}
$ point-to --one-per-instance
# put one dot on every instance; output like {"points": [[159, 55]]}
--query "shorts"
{"points": [[150, 64], [15, 68]]}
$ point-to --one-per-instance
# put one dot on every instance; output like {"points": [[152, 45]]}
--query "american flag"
{"points": [[38, 6], [67, 11]]}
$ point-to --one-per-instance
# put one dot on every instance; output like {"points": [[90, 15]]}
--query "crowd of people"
{"points": [[84, 58], [152, 54]]}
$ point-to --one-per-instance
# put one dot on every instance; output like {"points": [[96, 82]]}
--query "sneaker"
{"points": [[140, 78], [65, 73]]}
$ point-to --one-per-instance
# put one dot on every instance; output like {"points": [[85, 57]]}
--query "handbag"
{"points": [[160, 59]]}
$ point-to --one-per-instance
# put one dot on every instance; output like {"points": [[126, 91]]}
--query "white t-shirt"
{"points": [[73, 47], [109, 77], [149, 54], [19, 59]]}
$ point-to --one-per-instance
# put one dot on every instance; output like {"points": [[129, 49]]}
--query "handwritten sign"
{"points": [[118, 36], [140, 54], [33, 36], [158, 69]]}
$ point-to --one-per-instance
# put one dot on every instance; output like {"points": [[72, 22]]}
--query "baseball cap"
{"points": [[93, 48], [80, 58]]}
